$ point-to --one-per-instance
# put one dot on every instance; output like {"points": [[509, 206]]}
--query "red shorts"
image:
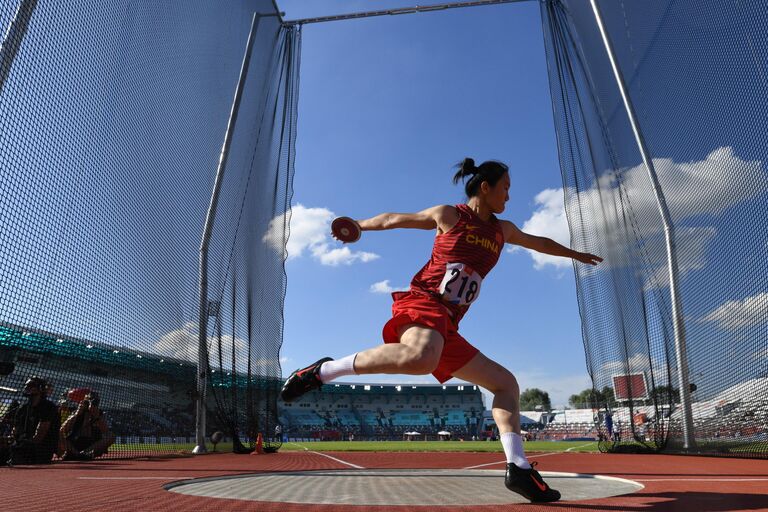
{"points": [[422, 309]]}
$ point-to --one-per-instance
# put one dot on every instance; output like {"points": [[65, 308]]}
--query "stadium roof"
{"points": [[42, 342]]}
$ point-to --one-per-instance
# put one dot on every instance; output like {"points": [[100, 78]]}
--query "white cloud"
{"points": [[384, 287], [692, 246], [702, 187], [182, 344], [549, 220], [636, 363], [179, 344], [708, 186], [340, 255], [741, 313], [309, 233], [761, 354]]}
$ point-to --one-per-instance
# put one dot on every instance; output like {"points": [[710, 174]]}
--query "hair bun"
{"points": [[468, 166]]}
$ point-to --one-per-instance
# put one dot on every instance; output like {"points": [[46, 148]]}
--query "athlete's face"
{"points": [[498, 195]]}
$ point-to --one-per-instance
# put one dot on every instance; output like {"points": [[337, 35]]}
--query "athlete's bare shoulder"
{"points": [[446, 216], [512, 234]]}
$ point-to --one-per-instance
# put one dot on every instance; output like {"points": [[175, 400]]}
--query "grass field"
{"points": [[438, 446], [378, 446]]}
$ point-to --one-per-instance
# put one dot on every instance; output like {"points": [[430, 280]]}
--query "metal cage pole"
{"points": [[669, 234], [13, 38], [400, 10], [202, 355]]}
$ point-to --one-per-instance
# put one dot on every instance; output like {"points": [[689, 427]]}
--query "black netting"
{"points": [[696, 76], [112, 118]]}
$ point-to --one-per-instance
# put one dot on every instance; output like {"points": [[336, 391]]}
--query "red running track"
{"points": [[672, 483]]}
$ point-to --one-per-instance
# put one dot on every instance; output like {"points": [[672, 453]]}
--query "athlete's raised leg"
{"points": [[520, 477], [498, 380], [418, 353]]}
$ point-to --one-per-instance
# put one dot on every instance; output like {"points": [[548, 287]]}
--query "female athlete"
{"points": [[422, 336]]}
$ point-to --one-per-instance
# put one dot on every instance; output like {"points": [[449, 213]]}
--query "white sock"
{"points": [[513, 449], [332, 370]]}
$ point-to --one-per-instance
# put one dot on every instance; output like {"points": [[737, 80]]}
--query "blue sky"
{"points": [[387, 106]]}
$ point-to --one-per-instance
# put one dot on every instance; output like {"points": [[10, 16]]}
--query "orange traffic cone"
{"points": [[259, 444]]}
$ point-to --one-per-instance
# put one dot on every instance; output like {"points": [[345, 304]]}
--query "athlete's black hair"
{"points": [[490, 171]]}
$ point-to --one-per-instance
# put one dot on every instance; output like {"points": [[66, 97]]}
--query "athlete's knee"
{"points": [[505, 383], [421, 360]]}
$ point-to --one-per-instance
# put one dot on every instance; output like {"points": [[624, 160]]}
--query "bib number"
{"points": [[460, 285]]}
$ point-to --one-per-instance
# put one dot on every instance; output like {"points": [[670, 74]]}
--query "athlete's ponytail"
{"points": [[490, 171]]}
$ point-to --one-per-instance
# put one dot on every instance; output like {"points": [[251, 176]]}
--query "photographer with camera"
{"points": [[85, 434], [34, 435]]}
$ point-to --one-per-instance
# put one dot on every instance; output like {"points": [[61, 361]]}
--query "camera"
{"points": [[90, 398]]}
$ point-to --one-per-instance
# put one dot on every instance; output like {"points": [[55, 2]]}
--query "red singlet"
{"points": [[444, 289]]}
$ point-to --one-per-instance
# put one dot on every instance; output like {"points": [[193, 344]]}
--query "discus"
{"points": [[346, 230]]}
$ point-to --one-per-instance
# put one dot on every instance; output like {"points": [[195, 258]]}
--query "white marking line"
{"points": [[598, 477], [133, 477], [332, 458], [580, 446], [701, 480], [337, 460], [504, 461]]}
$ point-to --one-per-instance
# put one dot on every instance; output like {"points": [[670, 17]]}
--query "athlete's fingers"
{"points": [[590, 259], [593, 259]]}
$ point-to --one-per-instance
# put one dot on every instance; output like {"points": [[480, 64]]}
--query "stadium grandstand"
{"points": [[149, 399], [386, 412]]}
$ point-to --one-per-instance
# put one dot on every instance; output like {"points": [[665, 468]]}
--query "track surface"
{"points": [[672, 483]]}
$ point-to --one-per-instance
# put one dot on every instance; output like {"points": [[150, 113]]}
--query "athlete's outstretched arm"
{"points": [[513, 235], [442, 217]]}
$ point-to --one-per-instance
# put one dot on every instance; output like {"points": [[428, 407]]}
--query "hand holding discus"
{"points": [[346, 230]]}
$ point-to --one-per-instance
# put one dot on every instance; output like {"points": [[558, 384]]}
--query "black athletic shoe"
{"points": [[302, 381], [529, 484], [82, 456]]}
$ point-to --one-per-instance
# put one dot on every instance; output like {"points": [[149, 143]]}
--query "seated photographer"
{"points": [[7, 421], [34, 436], [85, 434]]}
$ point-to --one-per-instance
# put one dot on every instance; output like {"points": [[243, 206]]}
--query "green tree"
{"points": [[609, 399], [665, 394], [593, 398], [585, 399], [532, 397]]}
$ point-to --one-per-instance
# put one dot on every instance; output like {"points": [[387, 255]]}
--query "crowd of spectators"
{"points": [[563, 431], [35, 431], [30, 430], [137, 423]]}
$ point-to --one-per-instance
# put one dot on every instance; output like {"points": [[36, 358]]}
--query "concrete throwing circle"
{"points": [[395, 487]]}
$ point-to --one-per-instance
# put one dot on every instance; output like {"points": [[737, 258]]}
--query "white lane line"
{"points": [[581, 446], [337, 460], [133, 477], [332, 458], [701, 479], [504, 461]]}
